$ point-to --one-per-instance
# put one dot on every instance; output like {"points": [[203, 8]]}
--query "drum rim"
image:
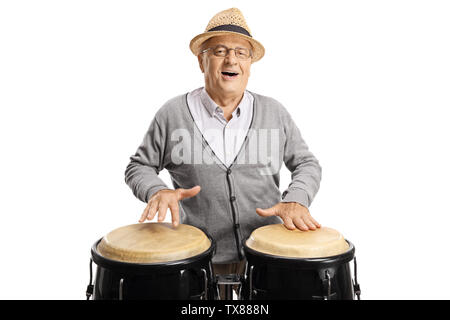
{"points": [[307, 262], [175, 264]]}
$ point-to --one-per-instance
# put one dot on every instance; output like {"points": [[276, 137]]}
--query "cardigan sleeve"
{"points": [[306, 172], [141, 174]]}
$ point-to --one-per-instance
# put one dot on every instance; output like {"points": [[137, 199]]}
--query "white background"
{"points": [[367, 82]]}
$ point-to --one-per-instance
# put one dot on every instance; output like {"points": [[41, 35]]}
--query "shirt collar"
{"points": [[213, 108]]}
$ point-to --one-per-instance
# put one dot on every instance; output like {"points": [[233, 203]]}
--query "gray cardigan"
{"points": [[225, 206]]}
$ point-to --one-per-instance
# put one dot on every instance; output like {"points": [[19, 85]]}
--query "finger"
{"points": [[266, 212], [144, 213], [153, 209], [162, 211], [188, 193], [300, 224], [174, 209], [318, 225], [309, 224], [288, 223]]}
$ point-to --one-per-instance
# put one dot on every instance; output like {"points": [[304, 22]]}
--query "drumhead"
{"points": [[153, 243], [277, 240]]}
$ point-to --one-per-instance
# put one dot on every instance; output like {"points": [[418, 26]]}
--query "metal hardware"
{"points": [[328, 278], [251, 283], [205, 283], [229, 280], [217, 292], [121, 289], [90, 287], [356, 288]]}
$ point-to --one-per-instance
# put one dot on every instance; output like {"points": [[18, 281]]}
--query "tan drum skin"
{"points": [[153, 243], [277, 240]]}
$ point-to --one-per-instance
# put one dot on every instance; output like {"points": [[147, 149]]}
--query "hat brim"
{"points": [[196, 42]]}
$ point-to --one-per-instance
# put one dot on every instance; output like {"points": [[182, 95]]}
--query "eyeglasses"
{"points": [[222, 51]]}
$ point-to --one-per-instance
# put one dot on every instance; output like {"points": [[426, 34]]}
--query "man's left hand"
{"points": [[294, 215]]}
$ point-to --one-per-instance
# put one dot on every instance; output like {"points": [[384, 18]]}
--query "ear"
{"points": [[200, 62]]}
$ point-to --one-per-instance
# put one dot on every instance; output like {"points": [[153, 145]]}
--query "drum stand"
{"points": [[229, 280]]}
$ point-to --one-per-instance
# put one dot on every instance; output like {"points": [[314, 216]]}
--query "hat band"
{"points": [[232, 28]]}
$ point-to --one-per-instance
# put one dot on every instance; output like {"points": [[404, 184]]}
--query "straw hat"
{"points": [[229, 21]]}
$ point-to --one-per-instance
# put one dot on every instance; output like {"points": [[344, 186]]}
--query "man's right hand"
{"points": [[164, 199]]}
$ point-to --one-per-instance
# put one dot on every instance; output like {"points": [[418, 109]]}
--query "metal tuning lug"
{"points": [[121, 289], [205, 274], [90, 287], [356, 287]]}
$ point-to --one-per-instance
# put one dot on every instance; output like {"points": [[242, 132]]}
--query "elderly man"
{"points": [[214, 140]]}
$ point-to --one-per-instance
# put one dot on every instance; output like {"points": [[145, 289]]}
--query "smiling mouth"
{"points": [[230, 75]]}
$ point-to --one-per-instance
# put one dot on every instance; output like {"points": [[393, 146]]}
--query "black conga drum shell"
{"points": [[173, 280], [278, 277]]}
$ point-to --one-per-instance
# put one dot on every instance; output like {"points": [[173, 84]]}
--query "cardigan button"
{"points": [[229, 171], [232, 198]]}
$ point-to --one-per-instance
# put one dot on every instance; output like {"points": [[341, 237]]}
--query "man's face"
{"points": [[213, 66]]}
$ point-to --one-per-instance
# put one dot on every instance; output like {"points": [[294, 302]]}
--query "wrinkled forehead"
{"points": [[230, 41]]}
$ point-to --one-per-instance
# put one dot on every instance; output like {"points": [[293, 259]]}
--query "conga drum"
{"points": [[295, 264], [153, 261]]}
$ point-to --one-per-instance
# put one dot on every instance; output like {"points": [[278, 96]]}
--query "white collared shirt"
{"points": [[224, 137]]}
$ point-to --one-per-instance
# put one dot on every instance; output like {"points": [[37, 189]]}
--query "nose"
{"points": [[231, 57]]}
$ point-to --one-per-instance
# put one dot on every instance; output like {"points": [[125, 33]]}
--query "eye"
{"points": [[220, 51], [242, 52]]}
